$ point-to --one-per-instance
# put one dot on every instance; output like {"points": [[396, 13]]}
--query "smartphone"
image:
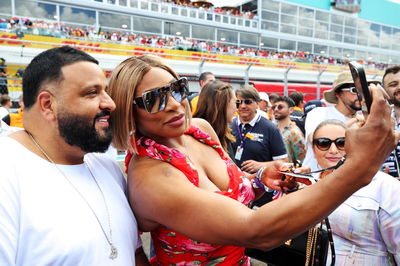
{"points": [[361, 85]]}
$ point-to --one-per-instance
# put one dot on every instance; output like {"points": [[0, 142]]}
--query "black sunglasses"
{"points": [[324, 143], [239, 102], [155, 100], [279, 107]]}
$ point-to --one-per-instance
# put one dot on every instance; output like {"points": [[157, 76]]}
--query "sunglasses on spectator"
{"points": [[324, 144], [155, 100], [351, 89], [279, 107], [247, 101]]}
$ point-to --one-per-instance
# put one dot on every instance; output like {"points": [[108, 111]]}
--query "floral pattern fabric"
{"points": [[294, 142], [173, 248]]}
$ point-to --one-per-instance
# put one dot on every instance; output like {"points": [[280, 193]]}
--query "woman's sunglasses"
{"points": [[351, 89], [324, 144], [247, 101], [156, 100]]}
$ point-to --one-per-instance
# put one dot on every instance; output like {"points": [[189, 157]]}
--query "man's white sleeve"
{"points": [[9, 216]]}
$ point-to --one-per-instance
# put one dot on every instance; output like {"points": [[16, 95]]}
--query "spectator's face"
{"points": [[281, 110], [8, 105], [208, 79], [349, 99], [328, 156], [263, 105], [391, 84], [83, 107], [247, 111], [21, 104]]}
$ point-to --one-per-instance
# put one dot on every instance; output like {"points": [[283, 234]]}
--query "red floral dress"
{"points": [[172, 248]]}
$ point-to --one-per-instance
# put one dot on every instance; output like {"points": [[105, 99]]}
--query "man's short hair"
{"points": [[4, 99], [248, 92], [46, 67], [297, 97], [285, 99], [390, 70], [204, 75], [272, 97]]}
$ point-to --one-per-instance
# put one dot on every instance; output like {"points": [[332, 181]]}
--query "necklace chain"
{"points": [[114, 251], [186, 153]]}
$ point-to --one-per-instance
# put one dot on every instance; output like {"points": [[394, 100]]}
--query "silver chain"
{"points": [[114, 251]]}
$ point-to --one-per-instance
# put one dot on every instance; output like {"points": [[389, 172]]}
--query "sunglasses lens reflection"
{"points": [[340, 142], [156, 100]]}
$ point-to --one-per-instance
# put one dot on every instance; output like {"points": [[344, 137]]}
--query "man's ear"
{"points": [[291, 110], [338, 95], [46, 103]]}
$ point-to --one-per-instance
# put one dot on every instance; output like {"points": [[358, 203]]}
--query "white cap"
{"points": [[264, 97]]}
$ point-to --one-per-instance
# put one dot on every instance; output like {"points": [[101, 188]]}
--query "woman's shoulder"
{"points": [[202, 124], [381, 189], [385, 181], [147, 168], [205, 127]]}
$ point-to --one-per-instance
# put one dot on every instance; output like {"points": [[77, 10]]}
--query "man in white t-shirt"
{"points": [[62, 202], [346, 104], [5, 105], [263, 105]]}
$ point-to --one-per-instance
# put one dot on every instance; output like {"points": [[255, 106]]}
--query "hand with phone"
{"points": [[275, 176], [361, 85]]}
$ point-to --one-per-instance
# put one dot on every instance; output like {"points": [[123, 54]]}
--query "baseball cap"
{"points": [[311, 105], [264, 97]]}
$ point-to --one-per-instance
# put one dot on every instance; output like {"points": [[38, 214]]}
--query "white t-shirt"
{"points": [[262, 113], [313, 119], [44, 220], [3, 112]]}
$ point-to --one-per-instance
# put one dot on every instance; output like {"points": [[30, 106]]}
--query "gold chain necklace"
{"points": [[114, 251], [186, 153]]}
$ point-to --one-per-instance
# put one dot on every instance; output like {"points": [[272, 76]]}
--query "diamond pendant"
{"points": [[114, 252]]}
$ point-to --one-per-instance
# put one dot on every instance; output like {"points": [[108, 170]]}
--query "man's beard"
{"points": [[395, 101], [280, 117], [354, 107], [81, 132]]}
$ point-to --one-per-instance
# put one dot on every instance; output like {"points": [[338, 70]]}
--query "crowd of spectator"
{"points": [[207, 6], [61, 30]]}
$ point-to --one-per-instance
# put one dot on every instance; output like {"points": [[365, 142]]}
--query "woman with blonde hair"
{"points": [[366, 227], [217, 105], [184, 188]]}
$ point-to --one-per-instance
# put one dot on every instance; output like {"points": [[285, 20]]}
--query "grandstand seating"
{"points": [[60, 30]]}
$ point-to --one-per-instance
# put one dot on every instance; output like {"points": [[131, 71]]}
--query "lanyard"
{"points": [[243, 138]]}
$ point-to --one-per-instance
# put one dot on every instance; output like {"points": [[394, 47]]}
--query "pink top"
{"points": [[172, 248]]}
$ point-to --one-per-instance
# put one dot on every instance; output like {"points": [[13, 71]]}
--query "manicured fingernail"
{"points": [[275, 183], [296, 171]]}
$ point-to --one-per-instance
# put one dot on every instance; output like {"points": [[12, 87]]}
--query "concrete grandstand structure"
{"points": [[318, 28]]}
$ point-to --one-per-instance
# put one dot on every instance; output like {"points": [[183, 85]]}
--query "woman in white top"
{"points": [[366, 227]]}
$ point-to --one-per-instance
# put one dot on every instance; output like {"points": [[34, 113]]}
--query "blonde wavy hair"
{"points": [[123, 82]]}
